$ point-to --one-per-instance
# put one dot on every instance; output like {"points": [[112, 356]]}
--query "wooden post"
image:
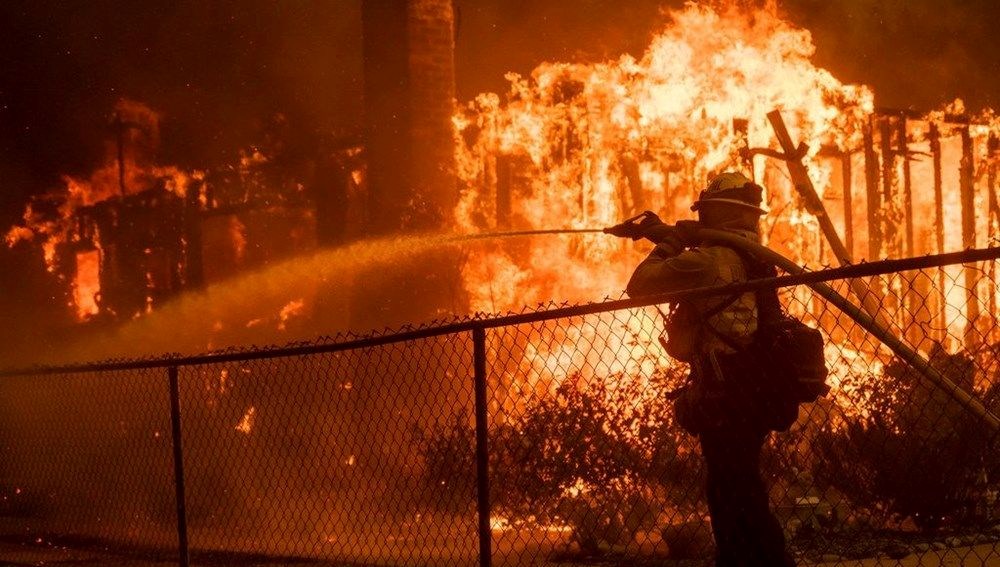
{"points": [[934, 137], [913, 321], [891, 301], [993, 152], [967, 190], [845, 169], [902, 148], [890, 224], [800, 179], [872, 193]]}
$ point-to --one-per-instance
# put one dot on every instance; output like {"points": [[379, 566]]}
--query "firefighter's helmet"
{"points": [[732, 188]]}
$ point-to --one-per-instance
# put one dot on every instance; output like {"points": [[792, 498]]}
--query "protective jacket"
{"points": [[669, 269]]}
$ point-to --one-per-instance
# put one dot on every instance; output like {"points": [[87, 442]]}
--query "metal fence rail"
{"points": [[531, 438]]}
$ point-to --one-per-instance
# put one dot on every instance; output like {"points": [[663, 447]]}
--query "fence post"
{"points": [[482, 447], [175, 422]]}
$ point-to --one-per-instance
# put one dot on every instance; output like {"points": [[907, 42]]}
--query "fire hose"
{"points": [[862, 318]]}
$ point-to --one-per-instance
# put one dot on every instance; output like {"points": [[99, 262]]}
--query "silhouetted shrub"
{"points": [[601, 456], [918, 453]]}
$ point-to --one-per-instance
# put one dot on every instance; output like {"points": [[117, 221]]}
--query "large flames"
{"points": [[53, 220], [584, 145], [591, 144]]}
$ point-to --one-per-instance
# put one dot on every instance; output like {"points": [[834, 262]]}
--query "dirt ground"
{"points": [[18, 555], [979, 555]]}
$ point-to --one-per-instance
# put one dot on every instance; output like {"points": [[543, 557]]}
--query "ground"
{"points": [[981, 555]]}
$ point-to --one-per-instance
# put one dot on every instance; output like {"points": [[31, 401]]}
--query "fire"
{"points": [[127, 170], [87, 286], [585, 145], [245, 426], [596, 143]]}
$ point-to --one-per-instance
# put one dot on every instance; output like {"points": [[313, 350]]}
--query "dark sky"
{"points": [[217, 69]]}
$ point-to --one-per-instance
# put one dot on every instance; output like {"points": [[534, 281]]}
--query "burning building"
{"points": [[570, 146], [577, 145], [134, 233]]}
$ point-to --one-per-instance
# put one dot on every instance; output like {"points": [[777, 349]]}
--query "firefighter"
{"points": [[719, 405]]}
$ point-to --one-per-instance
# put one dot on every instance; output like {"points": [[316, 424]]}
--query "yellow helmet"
{"points": [[734, 189]]}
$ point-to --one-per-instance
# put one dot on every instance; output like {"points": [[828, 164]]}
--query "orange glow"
{"points": [[597, 143], [134, 173], [245, 426], [87, 285]]}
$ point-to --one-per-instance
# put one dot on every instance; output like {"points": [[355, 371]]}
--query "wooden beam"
{"points": [[993, 221], [891, 222], [804, 186], [934, 137], [903, 149], [873, 196], [915, 290], [968, 201], [845, 183]]}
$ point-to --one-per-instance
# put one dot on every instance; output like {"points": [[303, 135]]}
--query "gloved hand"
{"points": [[649, 226], [639, 226], [687, 231]]}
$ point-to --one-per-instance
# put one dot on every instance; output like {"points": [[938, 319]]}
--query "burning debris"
{"points": [[134, 233]]}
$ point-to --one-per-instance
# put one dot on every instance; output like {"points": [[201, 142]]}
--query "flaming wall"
{"points": [[585, 145]]}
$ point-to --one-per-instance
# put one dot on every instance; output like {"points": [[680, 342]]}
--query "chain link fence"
{"points": [[545, 437]]}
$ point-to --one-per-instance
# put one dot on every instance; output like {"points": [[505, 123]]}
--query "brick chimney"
{"points": [[409, 74]]}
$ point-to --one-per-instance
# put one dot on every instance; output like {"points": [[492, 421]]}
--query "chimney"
{"points": [[409, 74]]}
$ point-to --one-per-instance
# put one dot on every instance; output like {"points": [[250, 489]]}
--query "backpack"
{"points": [[788, 353], [784, 359]]}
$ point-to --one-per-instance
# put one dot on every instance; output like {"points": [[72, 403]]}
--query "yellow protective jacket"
{"points": [[666, 270]]}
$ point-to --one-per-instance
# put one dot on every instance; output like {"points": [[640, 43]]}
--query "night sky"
{"points": [[218, 69]]}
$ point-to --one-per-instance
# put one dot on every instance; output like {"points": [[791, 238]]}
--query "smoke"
{"points": [[217, 71], [916, 54]]}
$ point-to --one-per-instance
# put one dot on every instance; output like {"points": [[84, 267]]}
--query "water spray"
{"points": [[616, 230], [517, 233]]}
